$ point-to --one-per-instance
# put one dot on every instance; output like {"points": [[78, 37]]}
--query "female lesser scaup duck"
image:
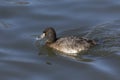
{"points": [[68, 45]]}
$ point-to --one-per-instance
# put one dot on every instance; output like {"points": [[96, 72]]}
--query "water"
{"points": [[21, 58]]}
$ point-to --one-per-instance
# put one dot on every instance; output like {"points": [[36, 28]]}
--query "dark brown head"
{"points": [[49, 34]]}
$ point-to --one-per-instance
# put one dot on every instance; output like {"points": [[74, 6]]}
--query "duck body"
{"points": [[71, 45]]}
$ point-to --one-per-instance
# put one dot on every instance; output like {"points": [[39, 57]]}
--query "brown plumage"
{"points": [[68, 45]]}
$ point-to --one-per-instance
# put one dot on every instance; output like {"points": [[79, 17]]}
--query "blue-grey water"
{"points": [[21, 57]]}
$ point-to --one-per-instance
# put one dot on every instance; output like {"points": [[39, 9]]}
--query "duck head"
{"points": [[49, 34]]}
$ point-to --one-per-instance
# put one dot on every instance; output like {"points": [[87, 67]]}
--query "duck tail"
{"points": [[92, 42]]}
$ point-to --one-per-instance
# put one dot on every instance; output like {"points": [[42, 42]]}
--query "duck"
{"points": [[70, 45]]}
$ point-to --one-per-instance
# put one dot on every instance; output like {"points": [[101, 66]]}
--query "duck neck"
{"points": [[51, 38]]}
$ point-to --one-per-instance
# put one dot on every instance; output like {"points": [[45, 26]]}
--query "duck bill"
{"points": [[40, 37]]}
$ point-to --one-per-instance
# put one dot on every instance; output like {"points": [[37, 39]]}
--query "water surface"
{"points": [[22, 59]]}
